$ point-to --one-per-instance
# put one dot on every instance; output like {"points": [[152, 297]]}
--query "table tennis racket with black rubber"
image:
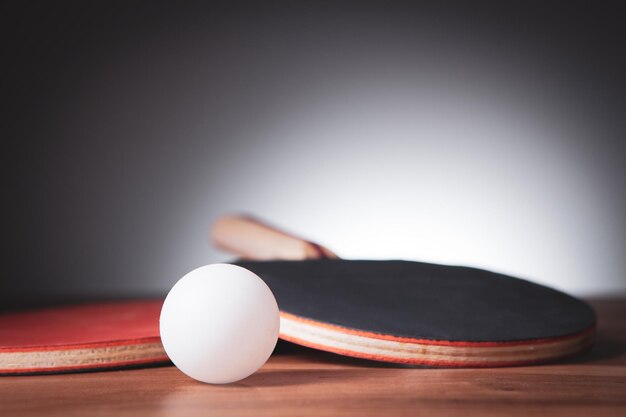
{"points": [[408, 312]]}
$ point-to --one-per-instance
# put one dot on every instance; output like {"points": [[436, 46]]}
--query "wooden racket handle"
{"points": [[251, 238]]}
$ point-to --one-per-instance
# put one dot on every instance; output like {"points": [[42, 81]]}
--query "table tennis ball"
{"points": [[219, 323]]}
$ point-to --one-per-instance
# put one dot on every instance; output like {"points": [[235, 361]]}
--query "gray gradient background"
{"points": [[486, 135]]}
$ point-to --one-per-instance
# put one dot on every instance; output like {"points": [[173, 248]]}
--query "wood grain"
{"points": [[306, 382]]}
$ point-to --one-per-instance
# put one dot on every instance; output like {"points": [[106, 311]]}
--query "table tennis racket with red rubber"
{"points": [[408, 312], [83, 337], [102, 335]]}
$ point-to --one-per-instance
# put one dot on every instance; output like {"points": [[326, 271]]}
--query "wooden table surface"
{"points": [[305, 382]]}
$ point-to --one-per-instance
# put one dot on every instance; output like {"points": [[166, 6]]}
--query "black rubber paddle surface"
{"points": [[421, 300]]}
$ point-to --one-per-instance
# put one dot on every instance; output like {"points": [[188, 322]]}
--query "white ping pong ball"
{"points": [[219, 323]]}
